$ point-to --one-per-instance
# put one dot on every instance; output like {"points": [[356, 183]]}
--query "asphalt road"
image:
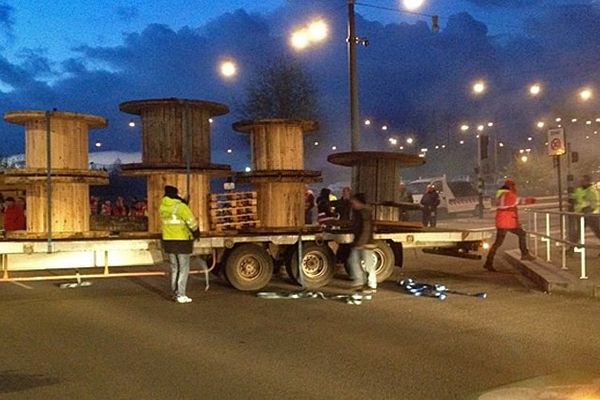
{"points": [[122, 339]]}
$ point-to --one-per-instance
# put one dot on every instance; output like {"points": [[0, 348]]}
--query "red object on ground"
{"points": [[14, 218]]}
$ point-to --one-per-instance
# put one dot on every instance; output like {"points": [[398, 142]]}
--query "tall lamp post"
{"points": [[352, 79]]}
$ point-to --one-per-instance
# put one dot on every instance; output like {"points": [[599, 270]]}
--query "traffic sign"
{"points": [[556, 142]]}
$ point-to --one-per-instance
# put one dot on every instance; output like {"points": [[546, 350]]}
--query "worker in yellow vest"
{"points": [[179, 230], [586, 200]]}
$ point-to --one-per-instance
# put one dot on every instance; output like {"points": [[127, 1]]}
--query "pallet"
{"points": [[233, 210]]}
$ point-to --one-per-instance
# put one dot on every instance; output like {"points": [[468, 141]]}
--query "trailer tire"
{"points": [[385, 260], [249, 267], [398, 253], [319, 265]]}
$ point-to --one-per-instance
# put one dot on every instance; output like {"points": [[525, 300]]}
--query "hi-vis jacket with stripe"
{"points": [[177, 220]]}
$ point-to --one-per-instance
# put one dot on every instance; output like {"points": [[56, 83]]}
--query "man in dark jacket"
{"points": [[362, 261], [430, 202]]}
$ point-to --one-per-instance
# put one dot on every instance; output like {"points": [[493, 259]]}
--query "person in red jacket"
{"points": [[14, 216], [507, 220]]}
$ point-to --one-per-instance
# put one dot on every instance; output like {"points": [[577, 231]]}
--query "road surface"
{"points": [[122, 339]]}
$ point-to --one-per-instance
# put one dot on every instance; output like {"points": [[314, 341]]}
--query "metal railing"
{"points": [[564, 240]]}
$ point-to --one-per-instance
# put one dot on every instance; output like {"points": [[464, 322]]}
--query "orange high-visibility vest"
{"points": [[506, 209]]}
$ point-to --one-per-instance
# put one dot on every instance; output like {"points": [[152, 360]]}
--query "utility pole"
{"points": [[353, 82]]}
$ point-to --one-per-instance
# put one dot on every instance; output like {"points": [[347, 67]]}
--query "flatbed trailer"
{"points": [[246, 260]]}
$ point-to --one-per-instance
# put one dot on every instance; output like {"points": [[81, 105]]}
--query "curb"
{"points": [[549, 278]]}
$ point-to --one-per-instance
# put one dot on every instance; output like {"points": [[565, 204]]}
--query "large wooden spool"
{"points": [[70, 173], [176, 151], [377, 175], [278, 169]]}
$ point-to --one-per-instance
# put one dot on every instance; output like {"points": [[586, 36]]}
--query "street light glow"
{"points": [[393, 141], [300, 39], [248, 169], [501, 144], [384, 128], [535, 89], [540, 124], [367, 122], [586, 94], [464, 128], [410, 140], [574, 120], [334, 148], [490, 124], [480, 128], [229, 151], [524, 158], [413, 5], [210, 120], [462, 142], [558, 119], [316, 143], [588, 122], [529, 139], [228, 68], [479, 87], [317, 31], [98, 144], [132, 124]]}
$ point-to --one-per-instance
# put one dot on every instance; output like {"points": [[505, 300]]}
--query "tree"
{"points": [[280, 90]]}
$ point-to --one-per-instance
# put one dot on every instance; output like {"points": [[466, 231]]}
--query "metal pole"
{"points": [[353, 82], [479, 177], [49, 179], [188, 150]]}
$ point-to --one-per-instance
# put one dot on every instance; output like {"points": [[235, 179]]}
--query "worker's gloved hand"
{"points": [[196, 234]]}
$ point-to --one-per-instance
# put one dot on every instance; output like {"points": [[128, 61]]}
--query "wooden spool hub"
{"points": [[175, 141], [70, 171], [377, 175], [278, 169]]}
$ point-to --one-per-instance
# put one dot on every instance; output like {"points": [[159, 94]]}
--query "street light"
{"points": [[131, 124], [317, 31], [558, 119], [412, 5], [540, 124], [228, 68], [535, 89], [480, 128], [229, 151], [586, 94], [479, 87], [367, 122], [490, 124], [410, 140], [393, 141], [464, 128], [384, 128], [524, 158], [300, 39]]}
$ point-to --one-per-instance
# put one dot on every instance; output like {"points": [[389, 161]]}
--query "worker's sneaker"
{"points": [[183, 299], [527, 257], [489, 267], [368, 290]]}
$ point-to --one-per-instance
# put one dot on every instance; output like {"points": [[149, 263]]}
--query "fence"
{"points": [[542, 231]]}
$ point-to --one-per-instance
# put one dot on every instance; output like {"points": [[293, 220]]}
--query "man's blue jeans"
{"points": [[180, 270], [362, 266]]}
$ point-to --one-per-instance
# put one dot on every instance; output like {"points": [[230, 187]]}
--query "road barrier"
{"points": [[567, 239]]}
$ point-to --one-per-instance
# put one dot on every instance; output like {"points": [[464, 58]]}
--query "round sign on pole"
{"points": [[556, 142]]}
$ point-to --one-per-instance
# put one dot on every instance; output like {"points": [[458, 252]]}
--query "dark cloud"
{"points": [[127, 13], [411, 78]]}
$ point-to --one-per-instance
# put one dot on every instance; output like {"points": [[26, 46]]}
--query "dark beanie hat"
{"points": [[171, 191], [360, 197]]}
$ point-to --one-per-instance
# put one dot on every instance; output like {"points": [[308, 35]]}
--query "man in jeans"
{"points": [[507, 220], [179, 229], [361, 261]]}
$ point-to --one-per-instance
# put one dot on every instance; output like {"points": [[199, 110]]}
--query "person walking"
{"points": [[361, 261], [430, 202], [586, 200], [179, 230], [507, 220]]}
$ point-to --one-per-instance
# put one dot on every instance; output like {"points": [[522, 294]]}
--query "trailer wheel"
{"points": [[318, 265], [398, 253], [249, 267], [384, 260]]}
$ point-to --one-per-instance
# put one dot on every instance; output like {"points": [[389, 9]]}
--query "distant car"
{"points": [[456, 197]]}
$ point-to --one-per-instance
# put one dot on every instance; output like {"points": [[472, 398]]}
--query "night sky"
{"points": [[89, 55]]}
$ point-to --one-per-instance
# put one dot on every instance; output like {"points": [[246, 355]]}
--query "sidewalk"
{"points": [[551, 278]]}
